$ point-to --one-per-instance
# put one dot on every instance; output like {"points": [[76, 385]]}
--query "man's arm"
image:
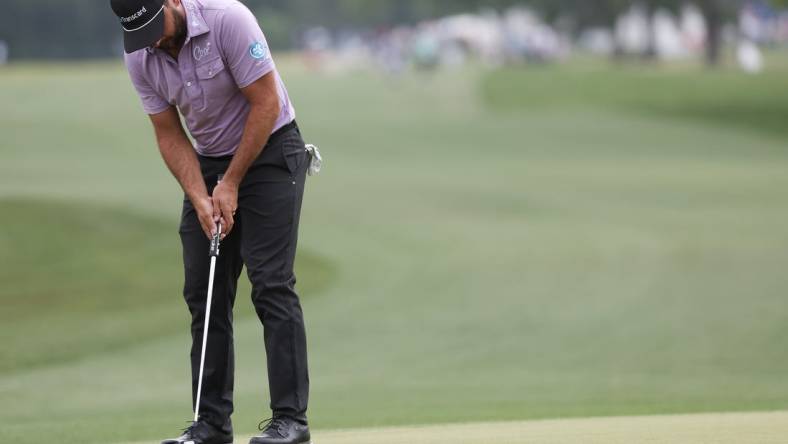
{"points": [[265, 108], [179, 155]]}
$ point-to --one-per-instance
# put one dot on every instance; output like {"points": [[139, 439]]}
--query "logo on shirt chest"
{"points": [[202, 52]]}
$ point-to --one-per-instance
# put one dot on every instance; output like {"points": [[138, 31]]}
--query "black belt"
{"points": [[275, 135], [290, 126]]}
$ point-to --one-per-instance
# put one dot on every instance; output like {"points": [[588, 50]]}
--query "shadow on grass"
{"points": [[80, 279]]}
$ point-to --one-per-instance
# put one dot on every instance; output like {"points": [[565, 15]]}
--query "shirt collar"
{"points": [[195, 23]]}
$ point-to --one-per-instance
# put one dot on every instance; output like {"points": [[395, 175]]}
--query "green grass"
{"points": [[713, 97], [465, 256], [89, 280]]}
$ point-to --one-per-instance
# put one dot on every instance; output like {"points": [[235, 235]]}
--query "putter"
{"points": [[214, 255]]}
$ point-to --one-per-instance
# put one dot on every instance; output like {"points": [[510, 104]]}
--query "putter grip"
{"points": [[217, 238], [215, 242]]}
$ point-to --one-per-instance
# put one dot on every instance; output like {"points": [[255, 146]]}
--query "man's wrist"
{"points": [[231, 180], [197, 196]]}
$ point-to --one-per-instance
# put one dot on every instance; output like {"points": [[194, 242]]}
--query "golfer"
{"points": [[245, 173]]}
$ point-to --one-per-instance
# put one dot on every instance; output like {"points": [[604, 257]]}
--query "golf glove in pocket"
{"points": [[315, 160]]}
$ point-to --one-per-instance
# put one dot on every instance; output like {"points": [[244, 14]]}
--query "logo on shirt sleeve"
{"points": [[258, 51]]}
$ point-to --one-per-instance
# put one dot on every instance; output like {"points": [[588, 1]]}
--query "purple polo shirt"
{"points": [[225, 50]]}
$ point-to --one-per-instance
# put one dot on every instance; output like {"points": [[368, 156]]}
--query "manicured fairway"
{"points": [[468, 256]]}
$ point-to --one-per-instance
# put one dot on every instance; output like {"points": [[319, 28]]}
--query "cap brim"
{"points": [[144, 37]]}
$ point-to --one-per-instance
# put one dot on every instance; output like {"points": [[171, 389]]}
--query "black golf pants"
{"points": [[264, 239]]}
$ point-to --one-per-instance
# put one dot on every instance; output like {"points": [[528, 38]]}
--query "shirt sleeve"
{"points": [[244, 45], [152, 102]]}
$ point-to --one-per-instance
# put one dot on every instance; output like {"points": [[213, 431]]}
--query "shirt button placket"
{"points": [[187, 74]]}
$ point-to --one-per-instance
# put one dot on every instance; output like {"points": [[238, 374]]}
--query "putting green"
{"points": [[728, 428]]}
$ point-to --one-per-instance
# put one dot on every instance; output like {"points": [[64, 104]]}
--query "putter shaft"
{"points": [[215, 241]]}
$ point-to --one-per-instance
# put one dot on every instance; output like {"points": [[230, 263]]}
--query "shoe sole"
{"points": [[226, 443], [305, 442]]}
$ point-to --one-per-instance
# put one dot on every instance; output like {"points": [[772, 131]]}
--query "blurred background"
{"points": [[438, 31], [529, 209]]}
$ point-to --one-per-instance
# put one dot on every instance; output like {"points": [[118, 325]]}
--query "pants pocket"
{"points": [[294, 152]]}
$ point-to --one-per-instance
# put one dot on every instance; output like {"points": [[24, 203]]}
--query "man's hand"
{"points": [[204, 208], [225, 202]]}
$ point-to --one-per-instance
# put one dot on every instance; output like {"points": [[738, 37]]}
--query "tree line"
{"points": [[88, 29]]}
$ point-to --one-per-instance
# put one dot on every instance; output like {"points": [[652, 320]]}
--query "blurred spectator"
{"points": [[317, 43], [520, 34], [749, 57], [426, 48], [597, 41]]}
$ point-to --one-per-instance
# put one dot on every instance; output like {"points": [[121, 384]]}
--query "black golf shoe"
{"points": [[201, 433], [282, 430]]}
